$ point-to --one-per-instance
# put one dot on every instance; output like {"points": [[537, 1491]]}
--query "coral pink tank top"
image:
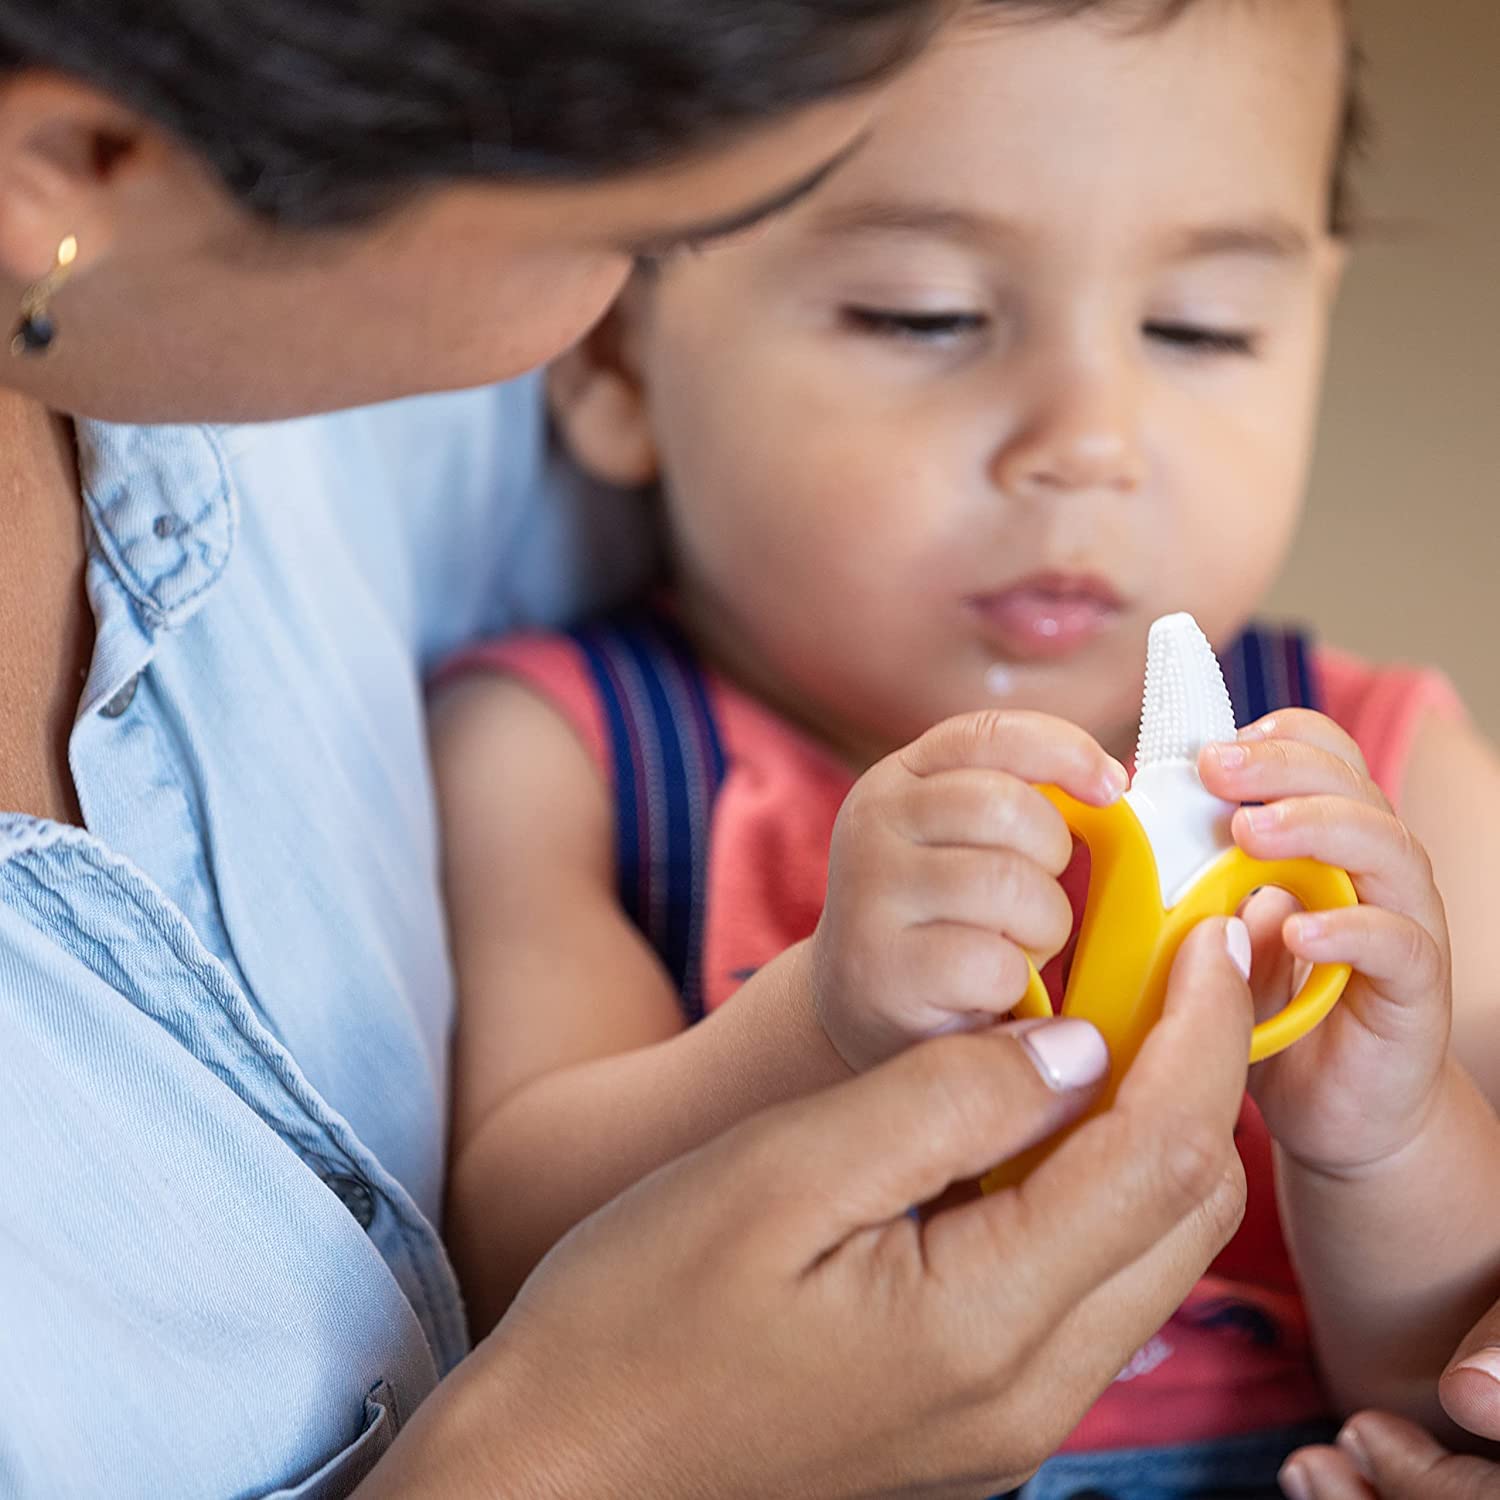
{"points": [[1236, 1356]]}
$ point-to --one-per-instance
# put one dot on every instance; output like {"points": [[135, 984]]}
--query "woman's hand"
{"points": [[1380, 1457], [943, 880], [767, 1317]]}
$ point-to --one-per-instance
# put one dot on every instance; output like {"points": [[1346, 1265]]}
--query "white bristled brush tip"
{"points": [[1187, 704], [1186, 707]]}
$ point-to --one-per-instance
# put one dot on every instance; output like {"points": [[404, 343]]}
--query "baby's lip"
{"points": [[1048, 616]]}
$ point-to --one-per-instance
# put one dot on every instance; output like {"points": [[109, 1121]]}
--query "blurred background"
{"points": [[1400, 553]]}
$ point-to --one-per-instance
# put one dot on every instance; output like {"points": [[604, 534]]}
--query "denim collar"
{"points": [[164, 512]]}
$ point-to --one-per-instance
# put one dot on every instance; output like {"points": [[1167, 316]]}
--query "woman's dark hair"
{"points": [[1354, 125], [325, 111]]}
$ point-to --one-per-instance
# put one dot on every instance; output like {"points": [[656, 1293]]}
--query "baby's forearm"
{"points": [[566, 1143], [1397, 1262]]}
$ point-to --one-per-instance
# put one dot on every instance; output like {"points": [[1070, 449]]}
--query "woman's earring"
{"points": [[36, 330]]}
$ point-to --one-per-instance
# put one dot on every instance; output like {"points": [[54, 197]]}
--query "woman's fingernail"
{"points": [[1294, 1482], [1262, 729], [1237, 940], [1068, 1053], [1229, 757], [1484, 1362], [1261, 819], [1116, 780], [1354, 1445]]}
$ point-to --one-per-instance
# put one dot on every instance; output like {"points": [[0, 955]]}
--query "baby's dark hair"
{"points": [[317, 112], [1354, 127]]}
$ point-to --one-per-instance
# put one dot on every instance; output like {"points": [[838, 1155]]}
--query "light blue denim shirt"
{"points": [[226, 1005]]}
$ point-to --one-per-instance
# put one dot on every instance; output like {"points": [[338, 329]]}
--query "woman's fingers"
{"points": [[1124, 1180], [1470, 1387], [1381, 1457]]}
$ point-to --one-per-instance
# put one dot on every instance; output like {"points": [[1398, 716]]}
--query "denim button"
{"points": [[121, 700], [355, 1195]]}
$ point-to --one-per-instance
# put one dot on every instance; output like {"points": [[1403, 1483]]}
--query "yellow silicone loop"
{"points": [[1127, 943], [1036, 1003], [1224, 888]]}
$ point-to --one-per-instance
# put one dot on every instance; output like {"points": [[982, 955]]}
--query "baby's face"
{"points": [[1039, 365]]}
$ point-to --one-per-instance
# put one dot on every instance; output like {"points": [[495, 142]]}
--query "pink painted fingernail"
{"points": [[1068, 1053], [1294, 1482], [1237, 940], [1484, 1362]]}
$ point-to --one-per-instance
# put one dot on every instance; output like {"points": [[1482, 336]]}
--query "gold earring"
{"points": [[36, 330]]}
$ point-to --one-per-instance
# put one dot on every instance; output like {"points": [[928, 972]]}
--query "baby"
{"points": [[1040, 364]]}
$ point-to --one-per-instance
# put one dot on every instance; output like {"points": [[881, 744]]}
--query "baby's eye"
{"points": [[918, 327], [1192, 338]]}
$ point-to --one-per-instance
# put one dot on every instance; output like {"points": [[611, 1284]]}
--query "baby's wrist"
{"points": [[1410, 1151]]}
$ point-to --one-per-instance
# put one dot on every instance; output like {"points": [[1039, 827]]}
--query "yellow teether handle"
{"points": [[1224, 888], [1127, 944], [1036, 1003]]}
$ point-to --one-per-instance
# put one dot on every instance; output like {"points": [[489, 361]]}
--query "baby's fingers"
{"points": [[1387, 864], [983, 810], [994, 889], [1397, 956], [957, 978], [1308, 727], [1031, 746], [1266, 770]]}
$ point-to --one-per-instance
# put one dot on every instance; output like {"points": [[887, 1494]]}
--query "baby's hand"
{"points": [[1358, 1089], [943, 879]]}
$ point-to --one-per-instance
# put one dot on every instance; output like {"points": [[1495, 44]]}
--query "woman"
{"points": [[222, 1074]]}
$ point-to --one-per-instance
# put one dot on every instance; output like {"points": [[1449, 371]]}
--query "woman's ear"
{"points": [[66, 153], [599, 399]]}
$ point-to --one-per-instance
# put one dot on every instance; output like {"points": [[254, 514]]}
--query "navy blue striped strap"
{"points": [[668, 765], [1269, 668]]}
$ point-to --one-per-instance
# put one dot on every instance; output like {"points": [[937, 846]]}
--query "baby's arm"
{"points": [[1388, 1157], [1451, 802], [1396, 1262], [572, 1074]]}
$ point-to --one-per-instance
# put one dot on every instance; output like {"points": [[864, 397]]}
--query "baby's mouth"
{"points": [[1048, 616]]}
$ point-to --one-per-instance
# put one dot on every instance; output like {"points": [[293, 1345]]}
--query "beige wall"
{"points": [[1400, 555]]}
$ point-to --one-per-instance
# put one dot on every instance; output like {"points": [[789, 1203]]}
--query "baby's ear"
{"points": [[599, 402]]}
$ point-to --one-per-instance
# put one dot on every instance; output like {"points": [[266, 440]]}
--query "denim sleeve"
{"points": [[461, 512]]}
